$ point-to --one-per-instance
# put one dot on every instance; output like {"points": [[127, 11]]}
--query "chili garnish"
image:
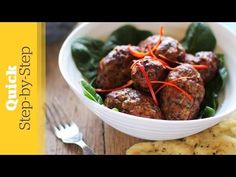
{"points": [[159, 40], [176, 62], [165, 58], [130, 82], [173, 85], [142, 69], [161, 87], [134, 63], [165, 65], [138, 54], [150, 52], [154, 56], [200, 66]]}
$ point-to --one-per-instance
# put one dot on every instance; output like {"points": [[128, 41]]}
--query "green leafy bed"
{"points": [[87, 52]]}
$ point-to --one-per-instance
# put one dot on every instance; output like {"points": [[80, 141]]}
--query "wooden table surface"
{"points": [[102, 138]]}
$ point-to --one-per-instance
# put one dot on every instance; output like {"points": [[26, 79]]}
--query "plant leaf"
{"points": [[213, 88], [90, 92], [87, 53], [115, 109], [125, 35], [222, 69], [199, 37], [208, 112]]}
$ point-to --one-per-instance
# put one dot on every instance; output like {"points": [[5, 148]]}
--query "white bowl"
{"points": [[145, 128]]}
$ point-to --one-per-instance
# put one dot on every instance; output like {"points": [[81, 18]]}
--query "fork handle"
{"points": [[86, 150]]}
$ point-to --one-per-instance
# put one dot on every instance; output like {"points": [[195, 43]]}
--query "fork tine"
{"points": [[62, 111], [54, 123], [59, 118]]}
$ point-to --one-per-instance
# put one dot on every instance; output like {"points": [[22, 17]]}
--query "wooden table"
{"points": [[102, 138]]}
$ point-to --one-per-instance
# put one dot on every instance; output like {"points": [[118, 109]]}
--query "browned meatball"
{"points": [[133, 102], [174, 104], [204, 58], [154, 69], [114, 69], [169, 47]]}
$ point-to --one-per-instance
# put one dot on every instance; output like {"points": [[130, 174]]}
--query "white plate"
{"points": [[144, 128]]}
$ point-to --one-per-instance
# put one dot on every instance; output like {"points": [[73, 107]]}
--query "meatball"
{"points": [[154, 69], [174, 104], [114, 69], [204, 58], [133, 102], [169, 47]]}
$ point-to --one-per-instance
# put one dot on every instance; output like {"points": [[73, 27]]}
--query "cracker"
{"points": [[220, 139]]}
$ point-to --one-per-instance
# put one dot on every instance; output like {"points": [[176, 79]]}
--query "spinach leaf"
{"points": [[115, 109], [86, 53], [222, 69], [199, 37], [208, 112], [90, 92], [213, 88], [125, 35]]}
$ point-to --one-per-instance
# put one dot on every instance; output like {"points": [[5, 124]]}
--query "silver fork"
{"points": [[64, 128]]}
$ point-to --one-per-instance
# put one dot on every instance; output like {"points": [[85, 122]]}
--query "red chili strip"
{"points": [[176, 62], [175, 86], [142, 69], [130, 82], [162, 62], [138, 54]]}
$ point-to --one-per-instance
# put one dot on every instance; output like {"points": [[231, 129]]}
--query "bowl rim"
{"points": [[137, 118]]}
